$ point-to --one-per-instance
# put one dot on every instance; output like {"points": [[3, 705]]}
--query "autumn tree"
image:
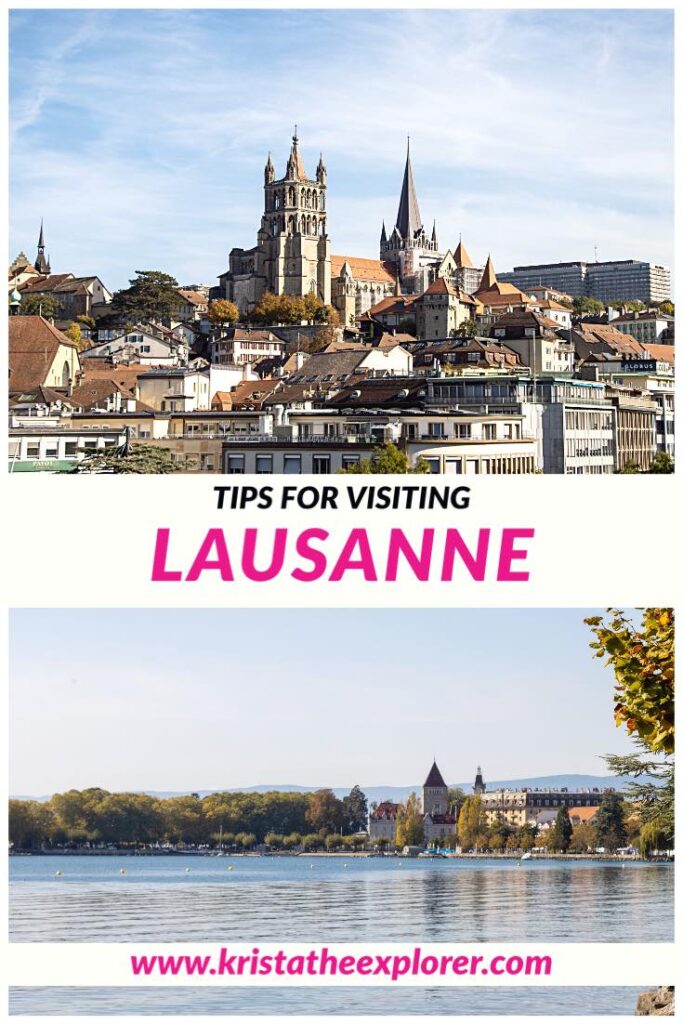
{"points": [[73, 333], [642, 659], [583, 839], [222, 311], [471, 824], [410, 823], [325, 812]]}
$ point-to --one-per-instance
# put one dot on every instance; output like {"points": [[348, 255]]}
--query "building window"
{"points": [[264, 463], [489, 431], [235, 464], [33, 451], [291, 464], [71, 449], [348, 461], [321, 464]]}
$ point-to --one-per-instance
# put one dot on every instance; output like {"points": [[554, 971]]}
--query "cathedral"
{"points": [[292, 255]]}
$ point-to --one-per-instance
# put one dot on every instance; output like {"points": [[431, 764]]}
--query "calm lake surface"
{"points": [[318, 899], [331, 1002]]}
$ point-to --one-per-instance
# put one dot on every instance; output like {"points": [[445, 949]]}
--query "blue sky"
{"points": [[204, 699], [141, 136]]}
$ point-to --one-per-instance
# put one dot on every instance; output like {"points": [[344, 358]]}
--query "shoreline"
{"points": [[361, 854]]}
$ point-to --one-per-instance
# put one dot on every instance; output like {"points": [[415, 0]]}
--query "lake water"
{"points": [[320, 899]]}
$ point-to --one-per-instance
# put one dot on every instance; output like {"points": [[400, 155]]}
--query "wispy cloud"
{"points": [[140, 136]]}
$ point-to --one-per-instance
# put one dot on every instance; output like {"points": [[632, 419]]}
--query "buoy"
{"points": [[122, 871], [187, 871], [57, 873], [229, 867]]}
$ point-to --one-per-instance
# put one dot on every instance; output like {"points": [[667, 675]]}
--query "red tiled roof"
{"points": [[33, 345]]}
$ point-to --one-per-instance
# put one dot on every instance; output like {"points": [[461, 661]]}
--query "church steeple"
{"points": [[383, 236], [269, 172], [408, 220], [462, 257], [479, 784], [42, 263], [321, 172]]}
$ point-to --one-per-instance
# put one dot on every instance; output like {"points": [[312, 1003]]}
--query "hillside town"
{"points": [[440, 821], [300, 360]]}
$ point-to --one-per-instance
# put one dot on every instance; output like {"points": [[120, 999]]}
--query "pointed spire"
{"points": [[383, 236], [461, 255], [434, 232], [295, 165], [42, 264], [408, 220], [435, 778], [488, 279]]}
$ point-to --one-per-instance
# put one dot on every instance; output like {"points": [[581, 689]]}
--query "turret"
{"points": [[321, 172], [269, 172]]}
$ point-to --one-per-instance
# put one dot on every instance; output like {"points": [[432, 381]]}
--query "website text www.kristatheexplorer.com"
{"points": [[322, 963]]}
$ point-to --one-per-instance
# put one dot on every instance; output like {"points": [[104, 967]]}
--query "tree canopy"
{"points": [[222, 311], [134, 458], [410, 823], [387, 458], [152, 296], [292, 309]]}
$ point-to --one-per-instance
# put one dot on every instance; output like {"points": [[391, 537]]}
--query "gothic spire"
{"points": [[383, 236], [434, 232], [295, 165], [408, 220]]}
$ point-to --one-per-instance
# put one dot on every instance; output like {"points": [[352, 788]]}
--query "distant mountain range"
{"points": [[399, 793]]}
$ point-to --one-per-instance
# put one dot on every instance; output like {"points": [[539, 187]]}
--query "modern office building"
{"points": [[614, 281]]}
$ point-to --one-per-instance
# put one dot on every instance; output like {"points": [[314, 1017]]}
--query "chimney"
{"points": [[300, 360]]}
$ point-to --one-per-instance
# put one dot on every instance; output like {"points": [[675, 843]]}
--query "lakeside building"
{"points": [[611, 281], [439, 822], [518, 807]]}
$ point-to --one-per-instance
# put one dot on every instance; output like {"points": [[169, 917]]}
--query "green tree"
{"points": [[387, 458], [471, 823], [467, 329], [138, 458], [456, 798], [355, 806], [562, 831], [222, 311], [629, 467], [662, 463], [410, 823], [37, 304], [667, 307], [87, 321], [642, 658], [152, 296], [608, 822], [586, 304]]}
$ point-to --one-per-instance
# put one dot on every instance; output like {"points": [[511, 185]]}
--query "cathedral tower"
{"points": [[292, 252], [409, 245]]}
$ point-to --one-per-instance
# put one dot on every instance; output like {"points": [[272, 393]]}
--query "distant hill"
{"points": [[398, 793]]}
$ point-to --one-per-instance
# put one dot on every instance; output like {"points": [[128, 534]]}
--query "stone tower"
{"points": [[434, 793], [293, 233], [479, 786], [292, 251]]}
